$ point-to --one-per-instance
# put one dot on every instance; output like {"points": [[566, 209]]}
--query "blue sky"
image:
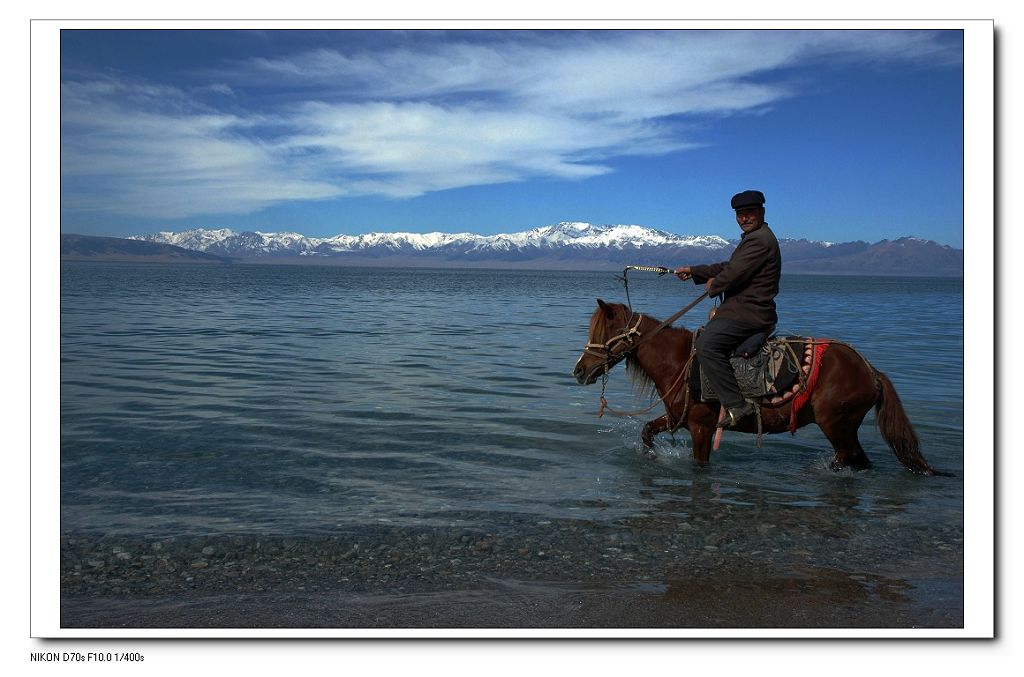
{"points": [[850, 134]]}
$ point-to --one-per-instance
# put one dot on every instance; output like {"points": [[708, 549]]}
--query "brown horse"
{"points": [[846, 389]]}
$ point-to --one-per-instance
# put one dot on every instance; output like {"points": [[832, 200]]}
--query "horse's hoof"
{"points": [[650, 455], [856, 467]]}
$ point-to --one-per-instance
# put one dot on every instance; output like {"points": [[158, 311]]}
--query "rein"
{"points": [[660, 270], [612, 355], [683, 373], [672, 319]]}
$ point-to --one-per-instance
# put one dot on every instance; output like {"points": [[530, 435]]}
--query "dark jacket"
{"points": [[749, 280]]}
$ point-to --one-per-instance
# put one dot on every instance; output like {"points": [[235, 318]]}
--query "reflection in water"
{"points": [[807, 597], [844, 529]]}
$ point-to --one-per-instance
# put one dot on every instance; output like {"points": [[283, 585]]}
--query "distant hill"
{"points": [[90, 248], [905, 256], [565, 246]]}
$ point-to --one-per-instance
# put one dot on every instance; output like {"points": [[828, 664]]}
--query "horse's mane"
{"points": [[643, 386]]}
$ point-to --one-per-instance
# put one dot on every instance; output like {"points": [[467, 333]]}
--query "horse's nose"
{"points": [[580, 373], [577, 371]]}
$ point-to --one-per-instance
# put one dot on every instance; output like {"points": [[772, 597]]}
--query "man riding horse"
{"points": [[748, 282]]}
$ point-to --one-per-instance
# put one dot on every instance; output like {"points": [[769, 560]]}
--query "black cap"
{"points": [[748, 199]]}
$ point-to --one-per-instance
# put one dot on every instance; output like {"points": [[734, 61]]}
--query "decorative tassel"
{"points": [[805, 395]]}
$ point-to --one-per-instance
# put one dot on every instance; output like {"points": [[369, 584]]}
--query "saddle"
{"points": [[768, 369]]}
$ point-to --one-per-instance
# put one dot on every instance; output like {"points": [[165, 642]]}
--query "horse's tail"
{"points": [[896, 428]]}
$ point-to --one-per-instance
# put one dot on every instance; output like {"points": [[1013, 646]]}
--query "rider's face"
{"points": [[750, 219]]}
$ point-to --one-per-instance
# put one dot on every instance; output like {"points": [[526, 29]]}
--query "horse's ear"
{"points": [[605, 307]]}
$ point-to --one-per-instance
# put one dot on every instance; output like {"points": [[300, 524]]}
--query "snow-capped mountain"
{"points": [[226, 242], [563, 245]]}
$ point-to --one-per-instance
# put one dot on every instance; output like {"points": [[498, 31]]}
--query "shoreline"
{"points": [[582, 577]]}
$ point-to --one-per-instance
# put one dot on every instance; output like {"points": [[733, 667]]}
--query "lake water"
{"points": [[205, 401]]}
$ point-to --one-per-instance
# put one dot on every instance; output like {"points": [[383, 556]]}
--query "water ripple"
{"points": [[283, 399]]}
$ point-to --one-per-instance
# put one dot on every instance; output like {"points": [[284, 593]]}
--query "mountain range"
{"points": [[92, 248], [567, 245]]}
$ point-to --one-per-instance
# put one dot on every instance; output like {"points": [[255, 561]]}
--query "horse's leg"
{"points": [[701, 436], [651, 429], [701, 423], [843, 398], [841, 431]]}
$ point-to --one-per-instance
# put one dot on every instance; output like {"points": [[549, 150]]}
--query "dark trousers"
{"points": [[715, 345]]}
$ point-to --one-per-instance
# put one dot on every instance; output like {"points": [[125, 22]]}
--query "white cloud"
{"points": [[404, 121], [118, 157], [412, 148]]}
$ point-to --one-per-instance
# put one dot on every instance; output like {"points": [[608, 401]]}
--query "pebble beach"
{"points": [[644, 573]]}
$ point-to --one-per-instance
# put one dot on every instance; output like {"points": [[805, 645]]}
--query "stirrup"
{"points": [[733, 416]]}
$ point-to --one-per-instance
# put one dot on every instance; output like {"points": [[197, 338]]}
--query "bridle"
{"points": [[608, 348], [618, 347], [610, 351]]}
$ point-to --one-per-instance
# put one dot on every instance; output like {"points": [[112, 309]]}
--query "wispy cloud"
{"points": [[138, 150], [401, 121]]}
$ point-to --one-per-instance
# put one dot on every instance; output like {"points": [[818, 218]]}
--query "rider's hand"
{"points": [[683, 273]]}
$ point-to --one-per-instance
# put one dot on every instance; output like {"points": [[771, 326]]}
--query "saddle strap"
{"points": [[674, 425], [760, 427]]}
